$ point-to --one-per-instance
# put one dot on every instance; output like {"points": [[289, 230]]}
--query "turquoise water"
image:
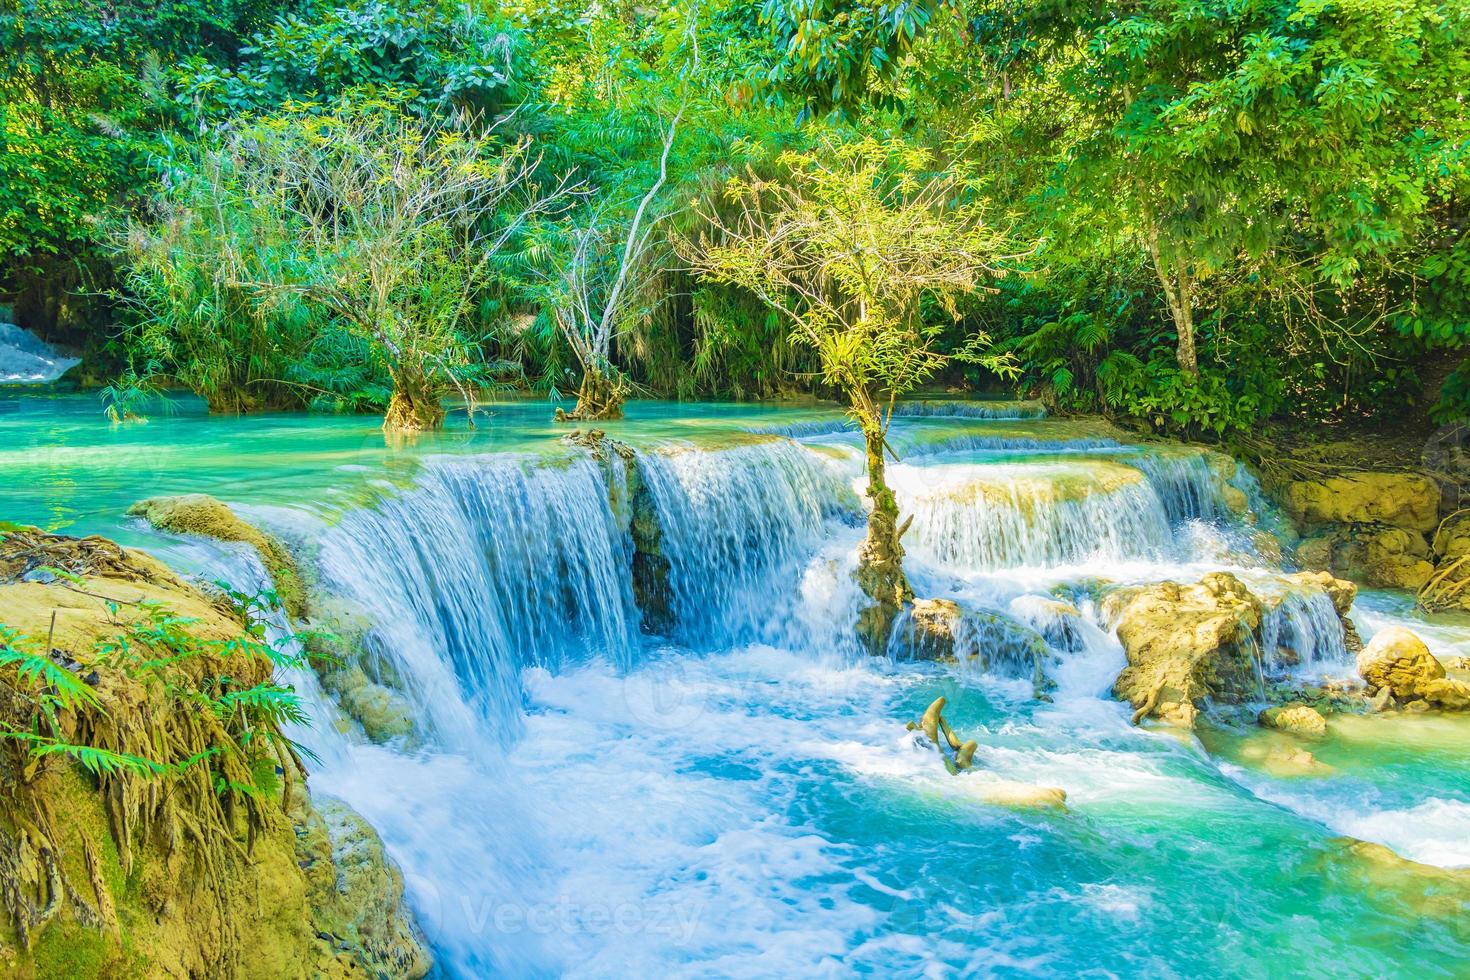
{"points": [[740, 797]]}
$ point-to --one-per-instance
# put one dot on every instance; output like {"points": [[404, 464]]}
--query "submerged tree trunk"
{"points": [[414, 406], [880, 558], [598, 400]]}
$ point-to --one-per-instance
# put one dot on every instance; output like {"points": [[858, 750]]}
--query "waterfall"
{"points": [[731, 523], [955, 409], [27, 359], [990, 516], [1303, 631], [1185, 484], [490, 565]]}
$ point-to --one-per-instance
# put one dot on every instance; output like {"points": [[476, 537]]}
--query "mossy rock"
{"points": [[203, 515]]}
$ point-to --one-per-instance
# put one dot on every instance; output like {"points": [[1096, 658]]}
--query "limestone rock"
{"points": [[1235, 499], [384, 714], [1282, 760], [179, 894], [930, 630], [1296, 718], [1375, 554], [355, 892], [1424, 889], [1023, 796], [1185, 643], [1397, 660], [203, 515], [1452, 539], [1402, 500]]}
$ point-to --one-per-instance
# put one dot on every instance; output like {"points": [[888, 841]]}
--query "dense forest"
{"points": [[1201, 215]]}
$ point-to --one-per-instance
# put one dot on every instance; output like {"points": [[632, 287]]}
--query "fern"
{"points": [[38, 670], [99, 762], [271, 702]]}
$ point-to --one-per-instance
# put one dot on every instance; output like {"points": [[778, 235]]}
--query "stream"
{"points": [[735, 793]]}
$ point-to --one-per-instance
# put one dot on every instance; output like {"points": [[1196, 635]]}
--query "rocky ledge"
{"points": [[144, 830]]}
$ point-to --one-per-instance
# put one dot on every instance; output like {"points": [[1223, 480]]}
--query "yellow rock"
{"points": [[1296, 718], [1404, 500], [1398, 660], [1024, 796]]}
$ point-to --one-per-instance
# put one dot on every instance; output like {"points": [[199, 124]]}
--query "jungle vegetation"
{"points": [[1198, 215]]}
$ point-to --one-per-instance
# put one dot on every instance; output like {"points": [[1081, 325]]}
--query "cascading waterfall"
{"points": [[732, 522], [490, 565], [1303, 631], [1184, 483], [990, 516], [940, 408], [27, 359], [735, 793]]}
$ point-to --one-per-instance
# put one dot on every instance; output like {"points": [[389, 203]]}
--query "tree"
{"points": [[853, 245], [588, 323], [388, 225]]}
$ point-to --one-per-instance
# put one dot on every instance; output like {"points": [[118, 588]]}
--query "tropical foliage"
{"points": [[1229, 212]]}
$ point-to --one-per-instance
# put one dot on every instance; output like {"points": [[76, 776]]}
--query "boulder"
{"points": [[1402, 500], [355, 891], [1295, 718], [1023, 796], [1185, 643], [1397, 660], [1235, 499], [1452, 539], [929, 632], [1375, 554], [1289, 761]]}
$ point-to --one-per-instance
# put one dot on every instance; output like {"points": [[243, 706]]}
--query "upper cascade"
{"points": [[27, 359], [999, 515], [963, 409]]}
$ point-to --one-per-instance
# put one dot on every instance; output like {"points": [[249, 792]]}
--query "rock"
{"points": [[1452, 539], [1447, 694], [384, 714], [203, 515], [1425, 889], [1185, 643], [1401, 500], [1023, 796], [355, 891], [1296, 718], [161, 879], [1283, 760], [1375, 554], [929, 633], [1382, 700], [1397, 660], [1235, 500]]}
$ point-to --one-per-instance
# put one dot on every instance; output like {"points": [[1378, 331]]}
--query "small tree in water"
{"points": [[851, 245], [404, 220], [384, 225], [595, 290]]}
